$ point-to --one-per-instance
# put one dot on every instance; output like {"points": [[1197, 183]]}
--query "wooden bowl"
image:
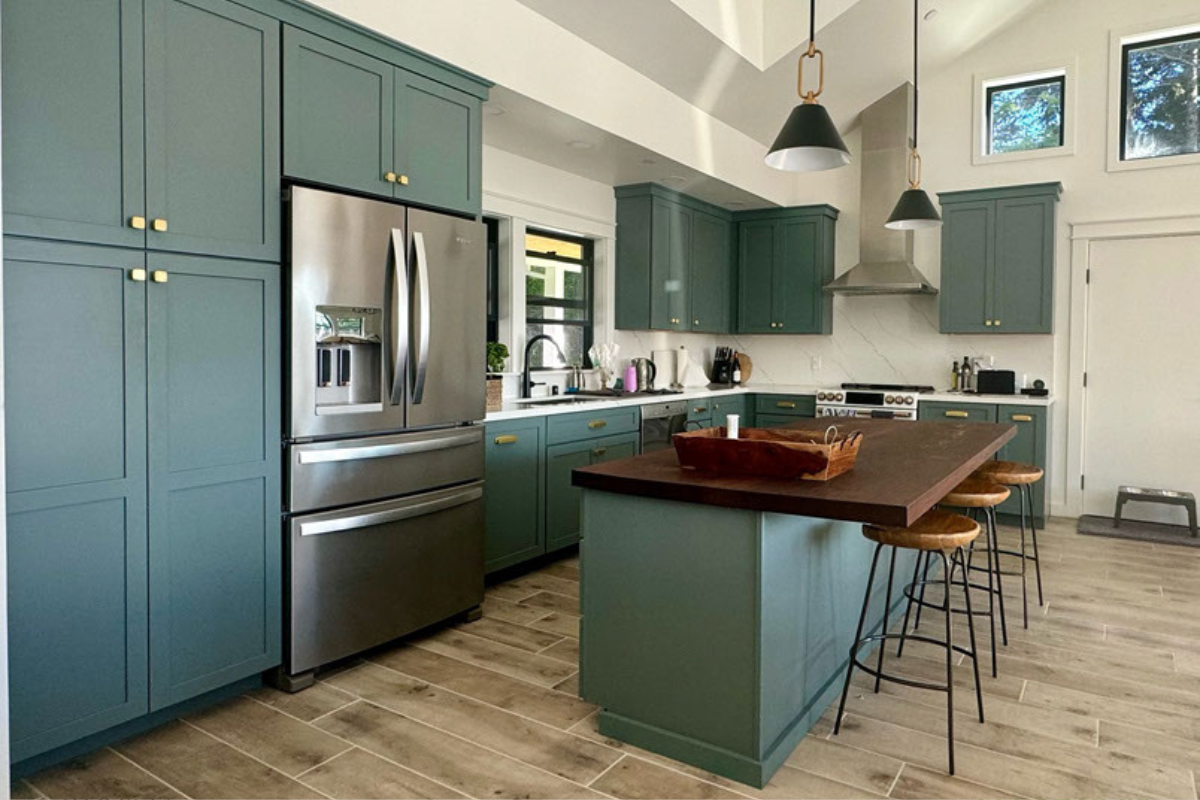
{"points": [[769, 452]]}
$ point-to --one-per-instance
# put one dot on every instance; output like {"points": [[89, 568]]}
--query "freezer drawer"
{"points": [[329, 474], [368, 574]]}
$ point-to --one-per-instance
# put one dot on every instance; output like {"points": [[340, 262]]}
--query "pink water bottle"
{"points": [[631, 378]]}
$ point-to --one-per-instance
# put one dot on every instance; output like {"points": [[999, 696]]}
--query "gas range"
{"points": [[871, 401]]}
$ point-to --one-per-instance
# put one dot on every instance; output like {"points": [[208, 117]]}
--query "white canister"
{"points": [[731, 426]]}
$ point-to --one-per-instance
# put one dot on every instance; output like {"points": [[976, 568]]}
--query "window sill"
{"points": [[1117, 165], [979, 159]]}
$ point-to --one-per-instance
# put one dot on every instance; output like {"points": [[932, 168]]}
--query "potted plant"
{"points": [[497, 353]]}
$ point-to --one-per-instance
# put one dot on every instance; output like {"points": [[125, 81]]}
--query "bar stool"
{"points": [[974, 494], [940, 532], [1023, 477]]}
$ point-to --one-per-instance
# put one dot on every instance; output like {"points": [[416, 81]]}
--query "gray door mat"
{"points": [[1157, 532]]}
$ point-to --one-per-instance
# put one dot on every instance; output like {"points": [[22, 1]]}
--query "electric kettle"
{"points": [[646, 372]]}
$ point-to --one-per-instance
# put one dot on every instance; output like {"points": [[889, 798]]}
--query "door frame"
{"points": [[1082, 236]]}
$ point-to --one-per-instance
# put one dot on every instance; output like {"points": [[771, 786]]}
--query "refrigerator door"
{"points": [[348, 334], [447, 338], [368, 574]]}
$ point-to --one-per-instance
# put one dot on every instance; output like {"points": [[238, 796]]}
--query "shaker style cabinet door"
{"points": [[1024, 276], [968, 267], [337, 115], [438, 145], [711, 278], [671, 232], [756, 269], [75, 383], [797, 282], [214, 445], [1030, 446], [72, 95], [212, 129], [514, 481]]}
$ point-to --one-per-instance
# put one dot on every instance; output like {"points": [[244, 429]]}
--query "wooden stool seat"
{"points": [[936, 530], [1009, 473], [977, 493]]}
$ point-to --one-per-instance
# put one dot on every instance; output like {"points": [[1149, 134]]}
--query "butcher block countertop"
{"points": [[903, 470]]}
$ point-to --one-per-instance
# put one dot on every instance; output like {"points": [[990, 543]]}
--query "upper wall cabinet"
{"points": [[360, 123], [143, 123], [674, 262], [785, 258], [998, 259]]}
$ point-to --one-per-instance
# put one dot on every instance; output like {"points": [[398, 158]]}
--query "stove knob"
{"points": [[908, 400], [889, 399], [820, 395], [839, 397]]}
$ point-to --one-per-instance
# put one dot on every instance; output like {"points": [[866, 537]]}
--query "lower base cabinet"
{"points": [[515, 477], [563, 526]]}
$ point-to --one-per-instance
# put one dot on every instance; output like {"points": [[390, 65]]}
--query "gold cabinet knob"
{"points": [[160, 224], [695, 322], [137, 223], [997, 323], [403, 180], [987, 322], [390, 177], [138, 274], [159, 276]]}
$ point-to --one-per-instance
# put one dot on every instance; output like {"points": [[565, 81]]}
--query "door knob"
{"points": [[137, 223], [159, 276], [138, 275], [160, 225]]}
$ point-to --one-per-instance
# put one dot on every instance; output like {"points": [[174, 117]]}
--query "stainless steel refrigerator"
{"points": [[384, 499]]}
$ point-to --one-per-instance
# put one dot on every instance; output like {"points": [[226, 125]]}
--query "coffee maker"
{"points": [[722, 368]]}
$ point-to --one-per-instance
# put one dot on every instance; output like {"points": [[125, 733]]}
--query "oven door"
{"points": [[657, 433], [368, 574]]}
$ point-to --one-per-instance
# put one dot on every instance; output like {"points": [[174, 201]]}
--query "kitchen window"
{"points": [[558, 297], [1160, 96], [493, 278], [1025, 115]]}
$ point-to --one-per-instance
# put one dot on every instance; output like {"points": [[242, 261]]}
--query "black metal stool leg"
{"points": [[949, 658], [887, 607], [991, 570], [924, 577], [908, 611], [990, 514], [1037, 559], [862, 619], [1024, 563], [971, 632]]}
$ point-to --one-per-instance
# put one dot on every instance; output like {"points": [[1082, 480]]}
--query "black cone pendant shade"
{"points": [[809, 141], [914, 210]]}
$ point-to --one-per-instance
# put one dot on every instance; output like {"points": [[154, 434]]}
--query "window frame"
{"points": [[991, 88], [493, 278], [987, 83], [1139, 44], [1119, 39], [588, 304]]}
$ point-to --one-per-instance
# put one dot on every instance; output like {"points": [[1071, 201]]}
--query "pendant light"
{"points": [[914, 210], [809, 141]]}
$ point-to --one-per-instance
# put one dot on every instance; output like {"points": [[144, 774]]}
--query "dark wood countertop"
{"points": [[903, 470]]}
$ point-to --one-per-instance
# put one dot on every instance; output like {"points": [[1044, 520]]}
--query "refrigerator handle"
{"points": [[399, 314], [422, 344]]}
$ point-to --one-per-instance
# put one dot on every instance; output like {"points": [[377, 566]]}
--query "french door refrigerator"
{"points": [[384, 501]]}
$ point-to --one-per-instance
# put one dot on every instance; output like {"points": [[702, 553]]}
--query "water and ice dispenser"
{"points": [[349, 352]]}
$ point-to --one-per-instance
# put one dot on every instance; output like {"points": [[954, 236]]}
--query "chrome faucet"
{"points": [[526, 383]]}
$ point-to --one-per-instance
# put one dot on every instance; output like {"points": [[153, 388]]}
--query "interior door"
{"points": [[1141, 320], [447, 333]]}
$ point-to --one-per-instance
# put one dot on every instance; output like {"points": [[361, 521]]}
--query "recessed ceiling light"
{"points": [[580, 145], [494, 110]]}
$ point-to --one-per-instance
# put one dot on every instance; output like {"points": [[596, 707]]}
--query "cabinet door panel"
{"points": [[756, 264], [710, 279], [214, 474], [1024, 275], [73, 159], [797, 285], [76, 426], [679, 284], [562, 499], [957, 412], [212, 128], [437, 144], [614, 448], [1028, 447], [968, 254], [671, 237], [337, 114], [513, 491]]}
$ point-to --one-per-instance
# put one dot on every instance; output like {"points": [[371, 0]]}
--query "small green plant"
{"points": [[496, 355]]}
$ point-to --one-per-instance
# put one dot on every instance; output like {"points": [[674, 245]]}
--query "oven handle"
{"points": [[363, 452], [391, 515]]}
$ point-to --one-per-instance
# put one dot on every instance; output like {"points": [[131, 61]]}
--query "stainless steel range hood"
{"points": [[885, 256]]}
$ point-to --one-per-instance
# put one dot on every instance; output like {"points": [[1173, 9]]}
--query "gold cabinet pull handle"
{"points": [[138, 275], [160, 224], [403, 179], [599, 451], [159, 276], [597, 423], [785, 404], [699, 409], [508, 438], [959, 414], [137, 223], [390, 177], [1022, 418]]}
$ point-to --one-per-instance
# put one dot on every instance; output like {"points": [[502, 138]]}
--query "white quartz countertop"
{"points": [[513, 410]]}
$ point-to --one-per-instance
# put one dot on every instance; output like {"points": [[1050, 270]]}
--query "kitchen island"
{"points": [[718, 611]]}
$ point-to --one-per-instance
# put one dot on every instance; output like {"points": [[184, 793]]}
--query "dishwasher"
{"points": [[661, 421]]}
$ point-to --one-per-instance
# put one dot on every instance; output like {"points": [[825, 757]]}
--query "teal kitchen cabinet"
{"points": [[562, 499], [785, 258], [674, 262], [72, 95], [998, 259], [358, 122], [1029, 446], [740, 404], [214, 456], [74, 344], [515, 478], [792, 405], [956, 412], [143, 123], [700, 414]]}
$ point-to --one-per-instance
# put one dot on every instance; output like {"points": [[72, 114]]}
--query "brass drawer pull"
{"points": [[137, 223], [599, 451], [507, 438], [959, 414], [159, 276], [1022, 418], [699, 409], [597, 423], [785, 404], [138, 275]]}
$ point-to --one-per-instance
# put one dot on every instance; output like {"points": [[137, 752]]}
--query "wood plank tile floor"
{"points": [[1099, 697]]}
